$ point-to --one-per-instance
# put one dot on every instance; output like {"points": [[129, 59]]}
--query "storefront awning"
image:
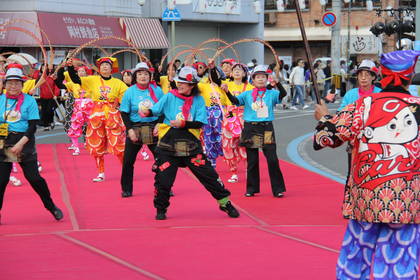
{"points": [[75, 30], [72, 30], [312, 33], [145, 33], [19, 29]]}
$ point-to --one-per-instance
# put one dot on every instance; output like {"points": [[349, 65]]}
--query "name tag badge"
{"points": [[4, 129], [262, 112]]}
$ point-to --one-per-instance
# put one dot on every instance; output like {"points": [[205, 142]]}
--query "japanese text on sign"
{"points": [[83, 28]]}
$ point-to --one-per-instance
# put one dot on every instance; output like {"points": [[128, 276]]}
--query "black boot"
{"points": [[161, 214], [126, 194], [230, 210], [57, 213]]}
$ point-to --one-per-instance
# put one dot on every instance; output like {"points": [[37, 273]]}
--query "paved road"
{"points": [[294, 138], [290, 127]]}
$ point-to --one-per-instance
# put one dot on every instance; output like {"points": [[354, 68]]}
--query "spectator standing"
{"points": [[297, 80]]}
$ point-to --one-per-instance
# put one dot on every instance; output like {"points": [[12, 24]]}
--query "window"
{"points": [[356, 4], [407, 3], [270, 5]]}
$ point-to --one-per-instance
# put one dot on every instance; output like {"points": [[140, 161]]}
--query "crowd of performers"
{"points": [[199, 112], [186, 118]]}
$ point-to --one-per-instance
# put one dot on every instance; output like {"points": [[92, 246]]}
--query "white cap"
{"points": [[250, 64], [14, 72], [260, 69], [187, 74], [368, 65], [142, 66]]}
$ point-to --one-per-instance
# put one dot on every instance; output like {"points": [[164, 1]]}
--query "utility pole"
{"points": [[348, 34], [417, 41], [336, 40], [417, 17]]}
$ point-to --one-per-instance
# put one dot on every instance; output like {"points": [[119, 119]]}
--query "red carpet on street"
{"points": [[104, 236]]}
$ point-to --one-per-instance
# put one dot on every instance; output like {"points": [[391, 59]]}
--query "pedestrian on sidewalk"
{"points": [[382, 193], [297, 80], [258, 132], [141, 95], [179, 143], [18, 118]]}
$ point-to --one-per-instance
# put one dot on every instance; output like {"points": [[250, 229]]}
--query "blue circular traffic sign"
{"points": [[329, 19]]}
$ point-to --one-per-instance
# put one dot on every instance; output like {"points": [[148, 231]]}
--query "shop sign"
{"points": [[362, 44], [217, 6]]}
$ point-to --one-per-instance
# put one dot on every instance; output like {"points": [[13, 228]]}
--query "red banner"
{"points": [[76, 30], [16, 27]]}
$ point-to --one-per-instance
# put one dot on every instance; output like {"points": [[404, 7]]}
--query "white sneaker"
{"points": [[15, 181], [233, 179], [39, 167], [14, 169], [76, 152], [71, 148], [305, 106], [99, 178], [293, 108], [145, 155]]}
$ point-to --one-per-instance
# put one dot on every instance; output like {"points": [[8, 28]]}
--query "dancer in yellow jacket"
{"points": [[105, 132]]}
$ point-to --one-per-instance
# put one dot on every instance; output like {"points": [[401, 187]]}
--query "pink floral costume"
{"points": [[82, 109], [232, 126]]}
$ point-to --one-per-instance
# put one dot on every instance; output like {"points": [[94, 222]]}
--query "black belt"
{"points": [[137, 124], [260, 123]]}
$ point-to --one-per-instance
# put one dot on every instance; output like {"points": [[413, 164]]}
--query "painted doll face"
{"points": [[401, 129]]}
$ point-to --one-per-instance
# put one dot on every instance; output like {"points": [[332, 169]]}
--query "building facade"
{"points": [[282, 29], [200, 20], [229, 20]]}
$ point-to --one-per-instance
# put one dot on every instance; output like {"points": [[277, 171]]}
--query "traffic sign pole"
{"points": [[329, 19], [173, 35], [172, 16], [336, 40]]}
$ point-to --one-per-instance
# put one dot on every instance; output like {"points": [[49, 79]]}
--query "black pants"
{"points": [[130, 155], [30, 170], [47, 111], [200, 166], [253, 170]]}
